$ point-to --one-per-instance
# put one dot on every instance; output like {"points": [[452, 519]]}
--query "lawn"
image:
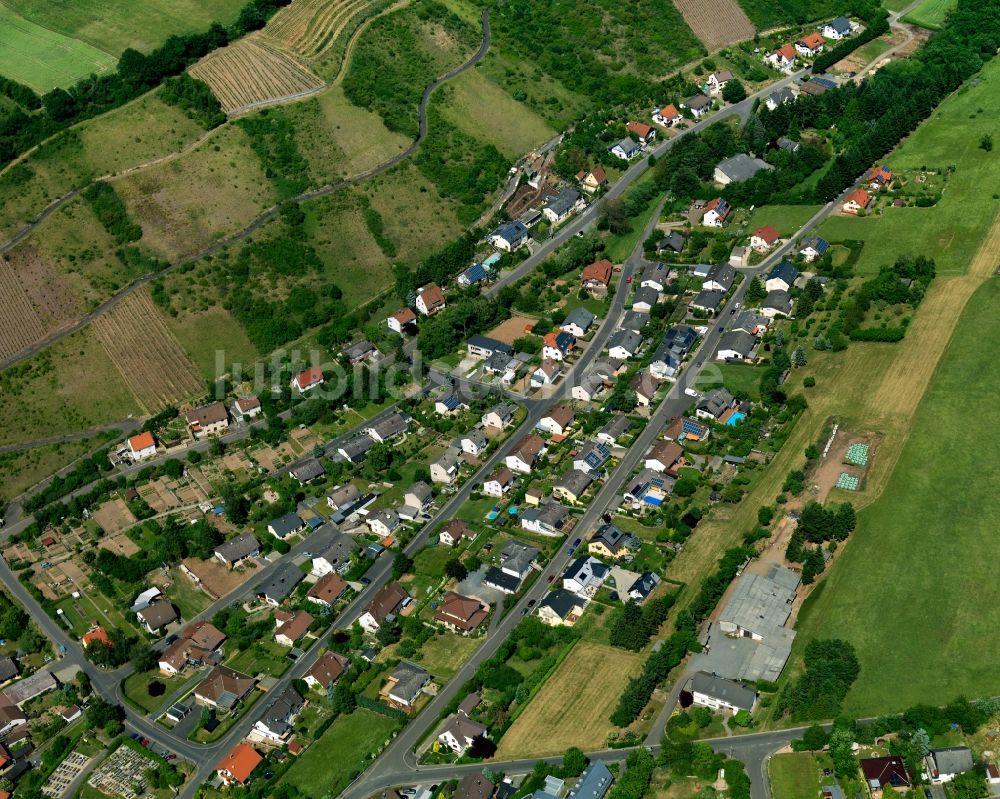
{"points": [[263, 657], [190, 601], [72, 614], [931, 14], [619, 247], [330, 763], [42, 58], [786, 219], [940, 643], [952, 230], [797, 775], [136, 688], [113, 25], [573, 706], [742, 377], [21, 470], [445, 654], [211, 336]]}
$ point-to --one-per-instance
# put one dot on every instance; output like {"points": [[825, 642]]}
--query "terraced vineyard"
{"points": [[250, 74], [310, 27], [20, 324], [717, 24], [148, 356]]}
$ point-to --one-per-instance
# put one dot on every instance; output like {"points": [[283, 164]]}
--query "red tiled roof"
{"points": [[97, 634], [404, 316], [787, 51], [812, 41], [432, 295], [599, 174], [768, 233], [859, 196], [599, 272], [309, 377], [669, 111], [640, 129], [240, 762], [463, 612], [141, 441]]}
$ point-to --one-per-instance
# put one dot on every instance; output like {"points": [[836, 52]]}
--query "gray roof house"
{"points": [[578, 321], [311, 470], [624, 343], [592, 456], [739, 167], [407, 680], [390, 427], [286, 525], [943, 764], [708, 301], [545, 519], [570, 486], [282, 582], [356, 448], [627, 148], [561, 205], [654, 275], [736, 345], [698, 104], [276, 723], [779, 97], [616, 427], [673, 241], [719, 692], [837, 28], [516, 558], [715, 403], [776, 303], [645, 298], [594, 783], [610, 541], [635, 320], [238, 549], [782, 276], [720, 277]]}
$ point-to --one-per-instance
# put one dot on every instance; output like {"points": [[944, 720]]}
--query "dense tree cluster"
{"points": [[831, 667], [111, 212], [272, 138], [903, 283], [634, 625], [194, 98]]}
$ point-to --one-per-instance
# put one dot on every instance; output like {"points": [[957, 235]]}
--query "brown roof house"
{"points": [[459, 732], [461, 614], [385, 603], [223, 688], [525, 453], [329, 668], [327, 590], [474, 786], [208, 420], [454, 531], [294, 629], [156, 616]]}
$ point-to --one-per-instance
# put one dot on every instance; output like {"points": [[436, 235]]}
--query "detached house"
{"points": [[616, 427], [558, 345], [401, 320], [782, 277], [454, 531], [719, 278], [444, 469], [646, 133], [515, 563], [276, 723], [578, 322], [525, 454], [548, 372], [837, 29], [764, 238], [810, 45], [738, 168], [698, 105], [610, 542], [721, 694], [708, 301], [461, 614], [714, 404], [237, 550], [777, 98], [223, 688], [383, 606], [405, 682], [667, 115], [943, 765], [644, 385], [383, 522], [499, 482], [591, 385], [880, 177], [286, 525], [449, 404], [499, 416], [459, 733], [246, 408], [474, 442], [717, 211], [783, 58], [509, 236], [736, 345], [480, 346], [329, 668], [813, 248], [156, 616], [593, 457], [857, 201], [584, 576], [430, 299], [885, 774], [327, 590], [597, 276], [570, 487], [594, 180], [563, 205], [645, 298], [557, 420], [395, 424], [624, 344], [142, 446], [291, 627], [627, 149], [776, 303], [237, 766], [208, 420], [307, 379], [560, 608], [664, 456]]}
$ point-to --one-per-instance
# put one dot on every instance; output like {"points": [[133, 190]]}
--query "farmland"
{"points": [[310, 27], [113, 25], [42, 58], [248, 74], [149, 359], [20, 324], [573, 706], [931, 14], [716, 24], [22, 470], [772, 13]]}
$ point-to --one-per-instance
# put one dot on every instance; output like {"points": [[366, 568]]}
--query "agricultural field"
{"points": [[716, 24], [248, 74], [950, 231], [310, 27], [206, 333], [113, 25], [939, 640], [150, 360], [19, 471], [71, 386], [20, 324], [572, 709], [135, 134], [767, 14], [43, 58], [931, 14]]}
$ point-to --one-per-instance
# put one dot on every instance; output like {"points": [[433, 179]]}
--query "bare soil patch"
{"points": [[215, 579], [833, 465], [511, 330], [114, 516], [120, 544]]}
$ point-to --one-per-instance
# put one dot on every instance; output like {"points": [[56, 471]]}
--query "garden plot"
{"points": [[114, 516], [837, 463]]}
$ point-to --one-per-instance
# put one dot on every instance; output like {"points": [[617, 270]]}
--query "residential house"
{"points": [[401, 320], [383, 522], [644, 299], [308, 379], [592, 457], [885, 773], [776, 303], [837, 29], [655, 276], [525, 454], [778, 98], [480, 346], [880, 177], [461, 614], [509, 236], [783, 58], [335, 557], [810, 45], [208, 420], [8, 669], [644, 385], [692, 430], [343, 496], [563, 205], [328, 668], [736, 345], [449, 404], [646, 133], [764, 238], [608, 368], [578, 322], [560, 608], [199, 644], [664, 456], [444, 469], [237, 766], [719, 278], [719, 693], [223, 688], [430, 299], [419, 495], [156, 616], [698, 105], [740, 256], [594, 180], [584, 576], [500, 363], [813, 88], [459, 733], [570, 487], [943, 765], [666, 360], [624, 344], [714, 404], [558, 345], [641, 589], [557, 420], [615, 428], [275, 725], [386, 429], [246, 408], [292, 629], [405, 682], [282, 582], [327, 590], [547, 373], [749, 322], [857, 201], [738, 168], [788, 145], [717, 80], [142, 446], [781, 277], [383, 605], [597, 276], [499, 416], [515, 563], [499, 482], [813, 248], [667, 115], [354, 449], [236, 551], [610, 542], [673, 242], [548, 518], [360, 351], [474, 786], [306, 472], [454, 531], [627, 149], [708, 301], [286, 525], [476, 273], [717, 211], [591, 385]]}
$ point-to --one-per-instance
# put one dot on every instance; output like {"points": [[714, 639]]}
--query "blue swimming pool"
{"points": [[735, 419]]}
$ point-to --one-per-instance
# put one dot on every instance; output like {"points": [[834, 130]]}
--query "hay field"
{"points": [[573, 706], [717, 24]]}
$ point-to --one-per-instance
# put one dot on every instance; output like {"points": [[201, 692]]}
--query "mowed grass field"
{"points": [[43, 58], [931, 13], [573, 706], [951, 230], [786, 219], [113, 25], [796, 775]]}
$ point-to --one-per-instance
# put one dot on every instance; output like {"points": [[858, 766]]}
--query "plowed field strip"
{"points": [[20, 324]]}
